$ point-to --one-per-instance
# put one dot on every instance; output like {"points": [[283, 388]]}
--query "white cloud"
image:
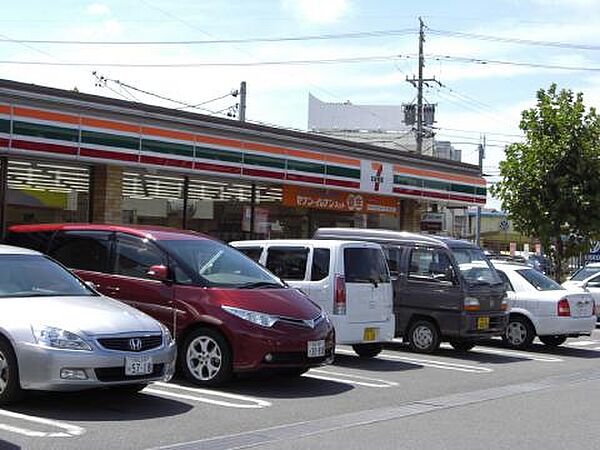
{"points": [[98, 9], [318, 11]]}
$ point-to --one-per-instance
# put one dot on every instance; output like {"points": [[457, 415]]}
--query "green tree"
{"points": [[550, 184]]}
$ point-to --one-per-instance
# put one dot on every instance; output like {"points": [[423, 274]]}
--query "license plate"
{"points": [[316, 349], [370, 334], [138, 365], [483, 323]]}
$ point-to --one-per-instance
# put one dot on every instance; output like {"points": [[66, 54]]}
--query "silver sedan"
{"points": [[58, 334]]}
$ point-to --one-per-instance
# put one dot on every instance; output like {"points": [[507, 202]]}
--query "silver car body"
{"points": [[92, 318]]}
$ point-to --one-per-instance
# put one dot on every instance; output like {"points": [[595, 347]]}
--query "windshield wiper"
{"points": [[260, 285]]}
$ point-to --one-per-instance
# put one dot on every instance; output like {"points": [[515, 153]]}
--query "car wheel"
{"points": [[519, 333], [423, 337], [462, 346], [367, 350], [10, 388], [553, 341], [205, 358], [129, 389]]}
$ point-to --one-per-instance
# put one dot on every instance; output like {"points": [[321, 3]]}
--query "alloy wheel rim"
{"points": [[422, 337], [516, 333], [204, 358], [4, 373]]}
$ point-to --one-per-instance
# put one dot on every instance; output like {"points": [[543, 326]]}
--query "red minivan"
{"points": [[227, 313]]}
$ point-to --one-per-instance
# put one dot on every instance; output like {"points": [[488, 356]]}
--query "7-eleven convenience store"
{"points": [[72, 157]]}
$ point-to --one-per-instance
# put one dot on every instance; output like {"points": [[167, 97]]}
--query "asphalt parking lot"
{"points": [[353, 401]]}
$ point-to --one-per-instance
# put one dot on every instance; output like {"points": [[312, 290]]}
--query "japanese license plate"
{"points": [[370, 334], [138, 365], [316, 349], [483, 323]]}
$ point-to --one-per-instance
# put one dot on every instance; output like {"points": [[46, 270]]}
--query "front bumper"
{"points": [[40, 367], [286, 344]]}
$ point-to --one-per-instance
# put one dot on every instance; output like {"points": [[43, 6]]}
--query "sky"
{"points": [[474, 99]]}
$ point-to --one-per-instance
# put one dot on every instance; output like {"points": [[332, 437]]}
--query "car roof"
{"points": [[456, 243], [510, 265], [330, 243], [146, 231], [11, 250], [380, 234]]}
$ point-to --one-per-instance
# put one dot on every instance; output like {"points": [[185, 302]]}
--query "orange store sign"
{"points": [[339, 201]]}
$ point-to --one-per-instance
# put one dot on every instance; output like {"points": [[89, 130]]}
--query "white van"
{"points": [[349, 280]]}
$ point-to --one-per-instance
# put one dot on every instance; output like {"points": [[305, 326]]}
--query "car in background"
{"points": [[541, 307], [349, 280], [586, 279], [444, 289], [57, 334], [227, 312]]}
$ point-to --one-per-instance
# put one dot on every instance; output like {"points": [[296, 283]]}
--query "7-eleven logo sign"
{"points": [[376, 176]]}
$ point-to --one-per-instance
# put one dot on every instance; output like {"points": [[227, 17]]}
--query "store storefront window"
{"points": [[153, 199], [46, 192]]}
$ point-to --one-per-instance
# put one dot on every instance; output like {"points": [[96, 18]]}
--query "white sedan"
{"points": [[541, 307]]}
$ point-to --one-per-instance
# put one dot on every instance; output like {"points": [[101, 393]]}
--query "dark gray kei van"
{"points": [[444, 289]]}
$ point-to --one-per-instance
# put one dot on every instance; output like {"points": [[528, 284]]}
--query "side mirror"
{"points": [[159, 273]]}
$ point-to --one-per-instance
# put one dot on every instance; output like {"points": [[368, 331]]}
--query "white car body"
{"points": [[586, 279], [540, 307], [369, 306]]}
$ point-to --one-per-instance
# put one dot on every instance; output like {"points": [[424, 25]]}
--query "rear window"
{"points": [[584, 273], [35, 241], [320, 264], [539, 281], [82, 250], [365, 265], [288, 263], [251, 252]]}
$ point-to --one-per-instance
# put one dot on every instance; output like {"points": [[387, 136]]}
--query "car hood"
{"points": [[88, 315], [278, 302]]}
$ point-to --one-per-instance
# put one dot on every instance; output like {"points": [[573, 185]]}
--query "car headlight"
{"points": [[258, 318], [167, 336], [59, 338]]}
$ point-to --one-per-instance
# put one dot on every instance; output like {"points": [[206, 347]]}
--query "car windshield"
{"points": [[584, 273], [37, 276], [539, 281], [474, 266], [219, 265]]}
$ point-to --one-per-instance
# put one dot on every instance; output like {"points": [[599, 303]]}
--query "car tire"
{"points": [[10, 386], [367, 350], [519, 333], [553, 341], [462, 346], [130, 389], [205, 358], [423, 337]]}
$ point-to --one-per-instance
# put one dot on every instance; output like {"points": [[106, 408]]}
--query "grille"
{"points": [[108, 374], [122, 343]]}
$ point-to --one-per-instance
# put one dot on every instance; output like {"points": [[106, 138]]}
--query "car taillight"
{"points": [[563, 309], [339, 299], [594, 312]]}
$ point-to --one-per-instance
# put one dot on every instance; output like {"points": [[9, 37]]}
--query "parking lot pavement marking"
{"points": [[356, 380], [514, 353], [69, 429], [435, 364], [204, 396], [582, 343]]}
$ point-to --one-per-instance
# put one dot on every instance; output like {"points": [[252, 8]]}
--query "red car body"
{"points": [[184, 307]]}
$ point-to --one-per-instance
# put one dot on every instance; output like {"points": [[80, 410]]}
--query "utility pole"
{"points": [[418, 83], [242, 114], [481, 148]]}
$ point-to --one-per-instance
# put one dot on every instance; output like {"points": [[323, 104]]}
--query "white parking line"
{"points": [[207, 396], [69, 430], [427, 362], [347, 378], [513, 353], [582, 343]]}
